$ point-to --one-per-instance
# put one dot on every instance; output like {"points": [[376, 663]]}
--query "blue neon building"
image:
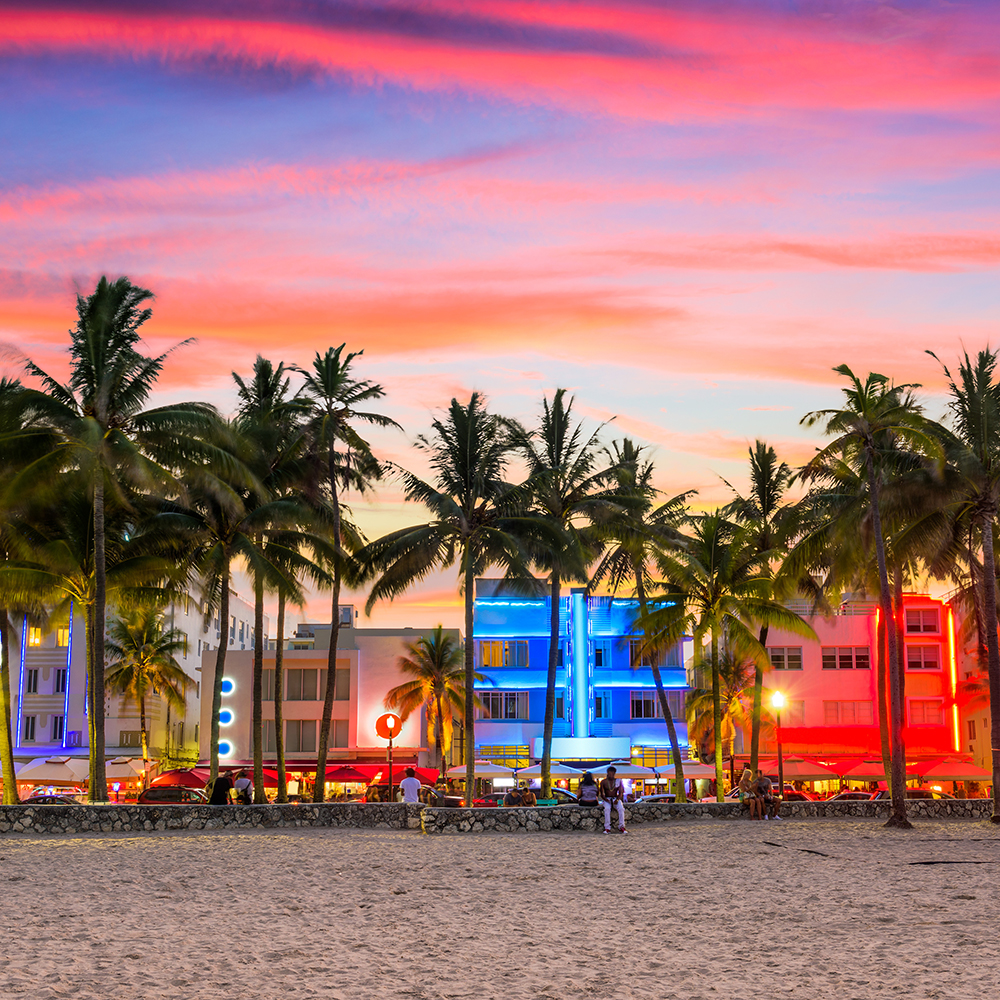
{"points": [[606, 704]]}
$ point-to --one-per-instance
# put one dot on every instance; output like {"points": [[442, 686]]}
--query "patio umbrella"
{"points": [[954, 770], [123, 768], [484, 769], [692, 769], [183, 778], [557, 771], [344, 772], [626, 769], [800, 769], [872, 770], [54, 771]]}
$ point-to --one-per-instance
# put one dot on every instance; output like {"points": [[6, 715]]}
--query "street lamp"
{"points": [[778, 703]]}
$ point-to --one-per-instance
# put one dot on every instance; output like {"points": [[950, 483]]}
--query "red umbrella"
{"points": [[196, 777], [344, 772]]}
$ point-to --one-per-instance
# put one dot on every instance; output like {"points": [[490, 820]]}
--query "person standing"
{"points": [[612, 793], [410, 786]]}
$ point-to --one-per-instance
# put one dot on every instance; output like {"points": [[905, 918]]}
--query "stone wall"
{"points": [[67, 820]]}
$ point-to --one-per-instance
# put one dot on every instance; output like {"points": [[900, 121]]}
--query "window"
{"points": [[602, 704], [341, 732], [785, 657], [301, 685], [62, 636], [504, 705], [643, 704], [509, 653], [34, 636], [923, 657], [847, 713], [59, 681], [602, 654], [560, 706], [267, 685], [199, 647], [926, 712], [793, 714], [58, 728], [268, 736], [31, 681], [638, 657], [846, 658], [922, 620], [28, 729], [341, 686], [232, 628], [130, 738], [300, 736], [972, 728]]}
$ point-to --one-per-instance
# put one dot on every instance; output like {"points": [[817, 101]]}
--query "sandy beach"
{"points": [[688, 910]]}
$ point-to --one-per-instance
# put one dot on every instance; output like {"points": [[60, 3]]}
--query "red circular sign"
{"points": [[387, 726]]}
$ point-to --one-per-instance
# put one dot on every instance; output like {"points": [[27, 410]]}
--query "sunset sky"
{"points": [[686, 213]]}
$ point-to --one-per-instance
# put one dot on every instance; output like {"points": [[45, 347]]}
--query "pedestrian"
{"points": [[612, 794], [588, 790], [410, 786], [221, 788], [528, 796], [244, 788], [513, 797]]}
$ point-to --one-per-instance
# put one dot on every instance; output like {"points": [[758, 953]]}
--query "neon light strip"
{"points": [[954, 719], [954, 676], [20, 682], [69, 661]]}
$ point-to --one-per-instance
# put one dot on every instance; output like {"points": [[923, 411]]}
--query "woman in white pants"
{"points": [[613, 794]]}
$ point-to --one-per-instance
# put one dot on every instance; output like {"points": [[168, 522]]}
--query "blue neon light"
{"points": [[225, 717], [228, 685], [225, 748]]}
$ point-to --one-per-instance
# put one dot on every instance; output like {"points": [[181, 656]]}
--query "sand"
{"points": [[687, 910]]}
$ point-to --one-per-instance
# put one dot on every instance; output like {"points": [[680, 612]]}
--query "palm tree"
{"points": [[716, 591], [773, 525], [436, 665], [636, 533], [875, 417], [737, 685], [975, 455], [334, 399], [477, 519], [571, 489], [103, 430], [143, 656]]}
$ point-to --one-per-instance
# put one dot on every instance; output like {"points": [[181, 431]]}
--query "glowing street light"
{"points": [[387, 726], [778, 703]]}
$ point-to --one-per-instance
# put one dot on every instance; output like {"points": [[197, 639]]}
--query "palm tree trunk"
{"points": [[258, 689], [992, 650], [220, 669], [470, 681], [279, 690], [900, 626], [90, 692], [978, 597], [319, 791], [883, 703], [897, 817], [439, 733], [10, 797], [144, 736], [668, 718], [717, 716], [758, 694], [99, 781], [550, 688]]}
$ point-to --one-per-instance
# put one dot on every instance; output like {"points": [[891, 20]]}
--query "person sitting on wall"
{"points": [[528, 796], [587, 791], [612, 793], [747, 794], [512, 798]]}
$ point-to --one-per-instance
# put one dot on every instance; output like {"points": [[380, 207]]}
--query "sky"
{"points": [[684, 213]]}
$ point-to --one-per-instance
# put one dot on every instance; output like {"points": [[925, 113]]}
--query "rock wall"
{"points": [[68, 819], [136, 819]]}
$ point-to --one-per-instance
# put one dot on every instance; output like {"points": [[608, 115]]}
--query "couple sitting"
{"points": [[522, 796], [759, 795]]}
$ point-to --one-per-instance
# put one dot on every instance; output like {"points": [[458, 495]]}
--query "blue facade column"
{"points": [[581, 657]]}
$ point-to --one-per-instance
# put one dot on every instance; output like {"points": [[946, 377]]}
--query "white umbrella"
{"points": [[484, 769], [54, 771], [692, 769], [626, 769], [122, 768], [557, 771]]}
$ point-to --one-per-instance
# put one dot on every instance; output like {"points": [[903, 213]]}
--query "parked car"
{"points": [[49, 800], [171, 795], [563, 797], [429, 795], [913, 793], [657, 797], [850, 797]]}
